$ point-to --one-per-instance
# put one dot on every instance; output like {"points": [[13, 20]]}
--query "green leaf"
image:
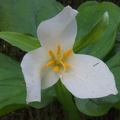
{"points": [[86, 21], [48, 11], [11, 82], [116, 47], [103, 47], [118, 36], [24, 42], [93, 107], [117, 105], [20, 16], [117, 75], [10, 108], [114, 61], [115, 50], [117, 44], [94, 35], [116, 72]]}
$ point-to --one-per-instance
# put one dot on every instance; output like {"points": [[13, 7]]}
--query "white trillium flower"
{"points": [[84, 76]]}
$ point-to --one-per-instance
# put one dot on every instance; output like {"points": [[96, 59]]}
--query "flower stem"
{"points": [[65, 98]]}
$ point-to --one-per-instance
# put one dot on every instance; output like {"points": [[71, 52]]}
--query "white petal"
{"points": [[31, 66], [48, 77], [88, 77], [59, 30]]}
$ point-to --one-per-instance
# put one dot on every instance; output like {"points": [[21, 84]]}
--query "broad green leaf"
{"points": [[85, 22], [24, 42], [92, 107], [48, 11], [117, 105], [89, 13], [94, 35], [116, 47], [20, 15], [115, 50], [114, 61], [103, 47], [118, 36], [10, 108], [12, 85], [116, 72]]}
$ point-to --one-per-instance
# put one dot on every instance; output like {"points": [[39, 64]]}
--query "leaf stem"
{"points": [[65, 98]]}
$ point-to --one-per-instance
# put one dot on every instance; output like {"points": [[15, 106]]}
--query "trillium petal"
{"points": [[48, 77], [59, 30], [31, 66], [88, 77]]}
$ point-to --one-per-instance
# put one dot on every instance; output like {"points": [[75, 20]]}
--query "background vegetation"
{"points": [[54, 110]]}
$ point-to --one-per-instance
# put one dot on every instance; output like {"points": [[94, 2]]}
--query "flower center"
{"points": [[58, 59]]}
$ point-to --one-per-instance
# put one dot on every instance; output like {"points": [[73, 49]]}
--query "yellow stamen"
{"points": [[67, 53], [63, 65], [66, 64], [58, 59], [50, 63], [58, 50], [51, 53], [56, 68]]}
